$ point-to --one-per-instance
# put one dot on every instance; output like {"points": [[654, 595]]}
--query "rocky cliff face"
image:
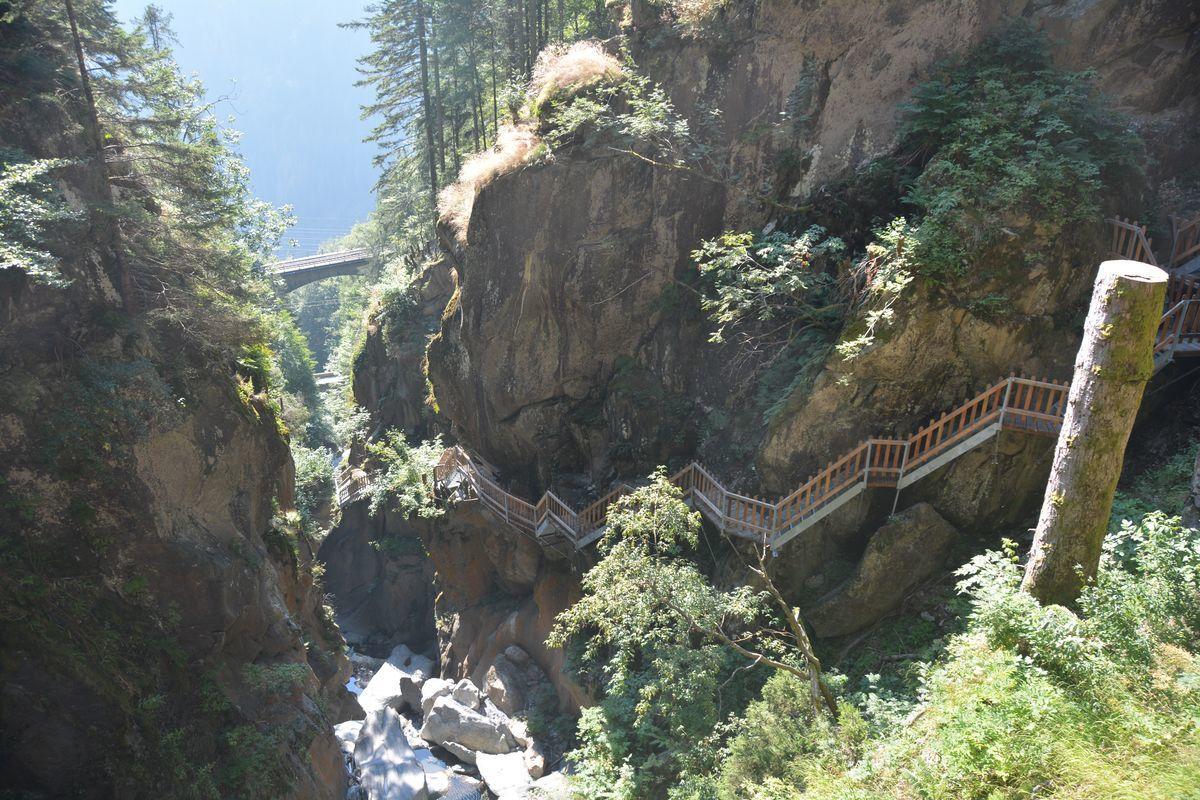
{"points": [[570, 276], [497, 589], [162, 632], [575, 351], [566, 350], [160, 626]]}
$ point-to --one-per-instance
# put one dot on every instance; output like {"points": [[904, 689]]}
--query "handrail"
{"points": [[1023, 404], [1185, 243], [1129, 241]]}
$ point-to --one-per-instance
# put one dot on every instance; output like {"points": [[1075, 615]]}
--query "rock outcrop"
{"points": [[911, 547], [383, 596], [570, 349], [498, 589], [565, 349]]}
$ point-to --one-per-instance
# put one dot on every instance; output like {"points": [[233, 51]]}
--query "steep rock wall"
{"points": [[567, 297], [565, 267], [152, 609]]}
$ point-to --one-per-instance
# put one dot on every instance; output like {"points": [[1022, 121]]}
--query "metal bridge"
{"points": [[299, 272]]}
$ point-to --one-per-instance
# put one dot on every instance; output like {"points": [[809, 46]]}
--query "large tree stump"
{"points": [[1115, 360]]}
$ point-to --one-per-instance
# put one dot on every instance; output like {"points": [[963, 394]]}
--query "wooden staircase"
{"points": [[1015, 403]]}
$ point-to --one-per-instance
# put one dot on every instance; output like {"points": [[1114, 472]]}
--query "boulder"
{"points": [[383, 690], [554, 786], [463, 754], [363, 660], [388, 767], [451, 721], [398, 682], [505, 775], [431, 690], [518, 656], [468, 694], [535, 759], [442, 780], [506, 686], [912, 546], [347, 734]]}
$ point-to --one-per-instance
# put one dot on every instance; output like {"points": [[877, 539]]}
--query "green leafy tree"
{"points": [[402, 482], [659, 638], [1003, 137]]}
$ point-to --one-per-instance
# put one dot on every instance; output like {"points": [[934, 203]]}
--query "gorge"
{"points": [[677, 426]]}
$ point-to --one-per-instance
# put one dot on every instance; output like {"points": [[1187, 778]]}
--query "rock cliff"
{"points": [[577, 315], [162, 629]]}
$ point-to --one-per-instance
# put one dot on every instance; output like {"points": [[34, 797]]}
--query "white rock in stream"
{"points": [[504, 775], [441, 780], [347, 734], [388, 767], [468, 694], [431, 691], [450, 721], [398, 682]]}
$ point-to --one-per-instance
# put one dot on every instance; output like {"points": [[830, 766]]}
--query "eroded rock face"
{"points": [[388, 377], [383, 596], [568, 309], [490, 599], [911, 547], [567, 350], [936, 355], [174, 548]]}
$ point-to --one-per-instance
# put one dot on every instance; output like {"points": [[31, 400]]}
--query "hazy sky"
{"points": [[288, 71]]}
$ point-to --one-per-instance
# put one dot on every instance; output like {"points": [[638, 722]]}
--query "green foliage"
{"points": [[402, 484], [1030, 700], [29, 206], [641, 631], [1006, 138], [773, 278], [1166, 487], [634, 112], [106, 408], [888, 268], [253, 764], [314, 483], [276, 679]]}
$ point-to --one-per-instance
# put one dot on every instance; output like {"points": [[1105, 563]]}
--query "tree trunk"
{"points": [[123, 278], [427, 109], [1115, 360]]}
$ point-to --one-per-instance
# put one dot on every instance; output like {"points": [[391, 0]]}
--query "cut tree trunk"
{"points": [[1115, 360]]}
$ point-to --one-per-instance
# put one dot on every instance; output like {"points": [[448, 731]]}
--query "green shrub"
{"points": [[776, 279], [402, 484], [1028, 701], [314, 482], [1005, 137], [29, 207]]}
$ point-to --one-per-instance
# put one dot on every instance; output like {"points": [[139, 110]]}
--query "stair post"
{"points": [[900, 477]]}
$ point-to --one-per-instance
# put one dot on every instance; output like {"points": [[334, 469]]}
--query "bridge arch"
{"points": [[299, 272]]}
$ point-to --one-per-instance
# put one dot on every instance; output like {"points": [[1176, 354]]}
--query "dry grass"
{"points": [[692, 15], [562, 71], [513, 147]]}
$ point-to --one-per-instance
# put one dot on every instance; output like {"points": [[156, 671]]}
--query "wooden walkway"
{"points": [[1021, 404], [1015, 403]]}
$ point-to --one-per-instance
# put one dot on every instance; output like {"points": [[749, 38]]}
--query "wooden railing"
{"points": [[1129, 241], [1186, 243], [1015, 403], [352, 483]]}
